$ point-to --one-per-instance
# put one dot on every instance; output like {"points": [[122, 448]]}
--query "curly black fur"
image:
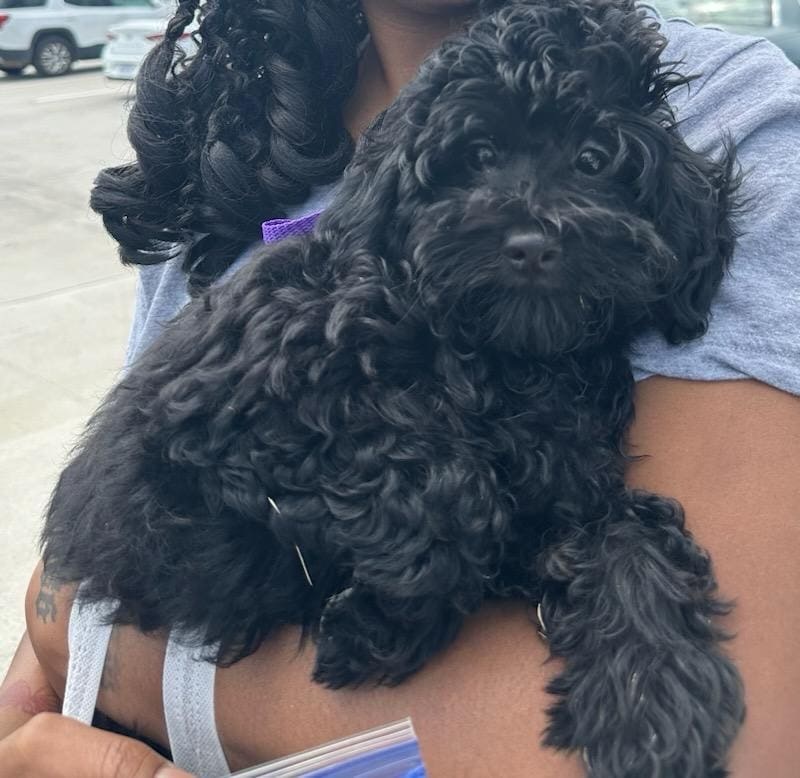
{"points": [[439, 414]]}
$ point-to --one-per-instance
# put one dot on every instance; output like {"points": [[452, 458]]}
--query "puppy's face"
{"points": [[554, 203], [536, 235]]}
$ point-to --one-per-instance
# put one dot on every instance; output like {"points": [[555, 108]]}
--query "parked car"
{"points": [[52, 34], [776, 20], [129, 43]]}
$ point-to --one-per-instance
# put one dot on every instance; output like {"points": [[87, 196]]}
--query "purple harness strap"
{"points": [[278, 229]]}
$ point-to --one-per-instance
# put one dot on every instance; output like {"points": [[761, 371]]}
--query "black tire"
{"points": [[52, 56], [11, 71]]}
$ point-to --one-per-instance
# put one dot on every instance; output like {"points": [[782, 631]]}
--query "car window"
{"points": [[22, 3], [732, 13]]}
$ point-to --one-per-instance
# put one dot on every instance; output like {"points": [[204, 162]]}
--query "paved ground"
{"points": [[65, 301]]}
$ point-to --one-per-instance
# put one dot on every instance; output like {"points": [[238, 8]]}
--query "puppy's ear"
{"points": [[695, 207], [369, 210]]}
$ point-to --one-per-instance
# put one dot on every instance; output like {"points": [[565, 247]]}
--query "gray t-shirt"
{"points": [[748, 89]]}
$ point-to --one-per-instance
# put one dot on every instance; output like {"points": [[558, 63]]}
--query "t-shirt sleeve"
{"points": [[161, 292], [750, 91], [141, 307]]}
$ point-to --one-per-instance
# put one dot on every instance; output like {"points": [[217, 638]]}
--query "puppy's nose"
{"points": [[532, 251]]}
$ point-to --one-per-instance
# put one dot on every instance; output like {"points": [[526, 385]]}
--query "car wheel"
{"points": [[52, 56], [12, 71]]}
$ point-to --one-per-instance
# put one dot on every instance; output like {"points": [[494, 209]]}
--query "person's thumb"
{"points": [[53, 746]]}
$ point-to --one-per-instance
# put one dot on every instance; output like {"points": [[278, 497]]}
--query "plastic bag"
{"points": [[391, 751]]}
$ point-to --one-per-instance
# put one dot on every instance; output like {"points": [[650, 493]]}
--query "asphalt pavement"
{"points": [[65, 300]]}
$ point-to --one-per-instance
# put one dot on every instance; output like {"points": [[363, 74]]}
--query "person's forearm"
{"points": [[34, 743], [728, 450], [25, 690]]}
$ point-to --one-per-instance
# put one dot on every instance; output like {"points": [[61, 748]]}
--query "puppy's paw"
{"points": [[355, 643], [641, 711]]}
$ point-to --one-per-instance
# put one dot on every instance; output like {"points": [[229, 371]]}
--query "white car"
{"points": [[129, 42], [52, 34]]}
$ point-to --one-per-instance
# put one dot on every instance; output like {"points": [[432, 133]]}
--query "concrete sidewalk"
{"points": [[65, 301]]}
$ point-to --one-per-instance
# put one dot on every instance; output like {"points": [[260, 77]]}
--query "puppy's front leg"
{"points": [[421, 558], [367, 636], [647, 690]]}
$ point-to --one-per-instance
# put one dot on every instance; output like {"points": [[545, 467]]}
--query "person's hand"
{"points": [[53, 746]]}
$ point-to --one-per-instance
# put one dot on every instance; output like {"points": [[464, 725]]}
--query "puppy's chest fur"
{"points": [[387, 402]]}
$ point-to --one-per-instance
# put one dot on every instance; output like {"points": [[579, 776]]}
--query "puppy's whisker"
{"points": [[449, 312], [518, 416], [413, 303]]}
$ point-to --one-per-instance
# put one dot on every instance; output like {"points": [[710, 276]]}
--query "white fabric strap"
{"points": [[88, 638], [188, 689]]}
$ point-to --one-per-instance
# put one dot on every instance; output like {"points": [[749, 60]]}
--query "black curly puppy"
{"points": [[423, 404]]}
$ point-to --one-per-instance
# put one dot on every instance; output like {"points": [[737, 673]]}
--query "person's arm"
{"points": [[729, 451], [47, 610], [25, 690], [35, 742]]}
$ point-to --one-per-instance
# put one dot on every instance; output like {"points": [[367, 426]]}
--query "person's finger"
{"points": [[53, 746]]}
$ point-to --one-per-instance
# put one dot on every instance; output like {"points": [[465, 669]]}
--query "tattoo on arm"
{"points": [[46, 599], [21, 697]]}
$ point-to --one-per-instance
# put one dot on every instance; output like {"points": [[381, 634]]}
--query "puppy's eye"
{"points": [[591, 160], [481, 155]]}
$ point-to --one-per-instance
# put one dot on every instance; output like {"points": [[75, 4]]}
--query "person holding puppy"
{"points": [[713, 441]]}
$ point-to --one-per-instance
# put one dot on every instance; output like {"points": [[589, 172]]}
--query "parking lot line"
{"points": [[72, 96]]}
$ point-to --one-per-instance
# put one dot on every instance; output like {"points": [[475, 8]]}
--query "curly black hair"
{"points": [[237, 132]]}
